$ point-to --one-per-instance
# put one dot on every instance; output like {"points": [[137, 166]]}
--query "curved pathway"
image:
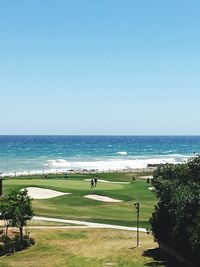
{"points": [[84, 224]]}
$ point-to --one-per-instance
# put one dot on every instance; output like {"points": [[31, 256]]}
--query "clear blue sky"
{"points": [[99, 67]]}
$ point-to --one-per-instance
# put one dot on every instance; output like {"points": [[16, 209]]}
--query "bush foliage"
{"points": [[176, 220], [10, 245]]}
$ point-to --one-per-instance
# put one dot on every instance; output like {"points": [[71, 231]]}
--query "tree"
{"points": [[6, 211], [16, 209], [22, 211], [176, 220]]}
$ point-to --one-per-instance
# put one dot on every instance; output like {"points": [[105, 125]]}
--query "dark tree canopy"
{"points": [[176, 220]]}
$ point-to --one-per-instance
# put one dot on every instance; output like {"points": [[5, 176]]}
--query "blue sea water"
{"points": [[50, 153]]}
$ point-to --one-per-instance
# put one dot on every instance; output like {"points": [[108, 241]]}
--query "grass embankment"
{"points": [[75, 206], [85, 248]]}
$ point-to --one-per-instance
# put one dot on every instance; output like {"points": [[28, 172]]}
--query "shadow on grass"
{"points": [[160, 258]]}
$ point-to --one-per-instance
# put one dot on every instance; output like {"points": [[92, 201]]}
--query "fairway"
{"points": [[61, 185], [76, 206], [82, 248], [88, 248]]}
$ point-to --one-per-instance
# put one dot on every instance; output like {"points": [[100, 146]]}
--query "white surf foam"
{"points": [[122, 153], [58, 163], [57, 166], [110, 164]]}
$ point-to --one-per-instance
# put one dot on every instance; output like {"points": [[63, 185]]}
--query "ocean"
{"points": [[46, 154]]}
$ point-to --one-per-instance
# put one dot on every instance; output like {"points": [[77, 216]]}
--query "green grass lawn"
{"points": [[75, 206], [87, 248]]}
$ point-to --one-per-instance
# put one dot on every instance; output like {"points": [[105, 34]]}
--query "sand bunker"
{"points": [[102, 198], [146, 177], [151, 188], [41, 193], [106, 181]]}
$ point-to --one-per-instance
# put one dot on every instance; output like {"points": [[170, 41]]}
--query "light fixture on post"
{"points": [[137, 206]]}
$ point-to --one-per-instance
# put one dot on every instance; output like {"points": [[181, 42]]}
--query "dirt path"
{"points": [[82, 224]]}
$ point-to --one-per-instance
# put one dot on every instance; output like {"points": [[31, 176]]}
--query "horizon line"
{"points": [[172, 135]]}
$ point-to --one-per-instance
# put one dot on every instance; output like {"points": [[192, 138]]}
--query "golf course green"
{"points": [[75, 206], [78, 247]]}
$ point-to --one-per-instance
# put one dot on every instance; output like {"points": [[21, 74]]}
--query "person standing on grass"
{"points": [[92, 183], [95, 181]]}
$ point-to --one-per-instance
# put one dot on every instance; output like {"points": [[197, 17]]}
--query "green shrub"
{"points": [[176, 220], [9, 245]]}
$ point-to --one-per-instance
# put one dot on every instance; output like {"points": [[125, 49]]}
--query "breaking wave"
{"points": [[122, 153]]}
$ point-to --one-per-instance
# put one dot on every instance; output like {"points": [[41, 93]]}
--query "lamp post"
{"points": [[137, 206], [1, 186]]}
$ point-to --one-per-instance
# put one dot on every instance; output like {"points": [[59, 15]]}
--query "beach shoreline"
{"points": [[147, 165], [78, 171]]}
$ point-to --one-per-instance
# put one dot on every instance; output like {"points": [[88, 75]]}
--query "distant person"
{"points": [[148, 180], [92, 183], [66, 176], [133, 179], [95, 181]]}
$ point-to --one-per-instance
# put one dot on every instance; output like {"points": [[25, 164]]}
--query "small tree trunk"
{"points": [[6, 230], [21, 233]]}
